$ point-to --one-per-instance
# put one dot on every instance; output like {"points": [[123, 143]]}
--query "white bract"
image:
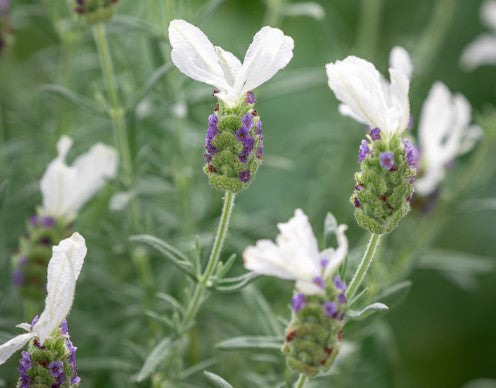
{"points": [[444, 133], [482, 51], [295, 255], [66, 189], [63, 270], [195, 56], [368, 97]]}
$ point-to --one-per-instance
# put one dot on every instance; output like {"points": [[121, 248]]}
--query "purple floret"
{"points": [[330, 309], [244, 176], [247, 121], [375, 134], [319, 281], [250, 98], [298, 302], [364, 150], [387, 160], [339, 284], [411, 153]]}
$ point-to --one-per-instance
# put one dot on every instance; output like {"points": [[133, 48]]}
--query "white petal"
{"points": [[472, 135], [428, 182], [400, 103], [12, 346], [294, 256], [345, 110], [336, 256], [308, 287], [488, 13], [63, 270], [357, 84], [482, 51], [400, 60], [66, 189], [195, 56], [269, 52], [231, 65]]}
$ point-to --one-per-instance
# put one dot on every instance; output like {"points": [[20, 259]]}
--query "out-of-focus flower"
{"points": [[445, 132], [482, 51], [368, 97], [195, 56], [295, 255], [63, 270], [66, 189]]}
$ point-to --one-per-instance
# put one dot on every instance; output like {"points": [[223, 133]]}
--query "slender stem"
{"points": [[364, 265], [369, 27], [200, 288], [117, 112], [302, 379]]}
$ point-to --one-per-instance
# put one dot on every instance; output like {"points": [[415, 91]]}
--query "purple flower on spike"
{"points": [[24, 366], [250, 98], [342, 299], [324, 262], [411, 153], [258, 131], [330, 309], [375, 134], [356, 202], [386, 160], [319, 281], [298, 302], [363, 151], [247, 121], [35, 319], [244, 176], [260, 152], [339, 284], [56, 369], [48, 222], [242, 134]]}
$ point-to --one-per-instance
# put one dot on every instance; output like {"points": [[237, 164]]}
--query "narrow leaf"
{"points": [[216, 380], [251, 342], [236, 283], [155, 358], [367, 311], [393, 295], [150, 83], [73, 98]]}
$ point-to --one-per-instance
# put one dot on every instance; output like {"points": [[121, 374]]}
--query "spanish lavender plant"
{"points": [[50, 359], [65, 190], [384, 186], [319, 304]]}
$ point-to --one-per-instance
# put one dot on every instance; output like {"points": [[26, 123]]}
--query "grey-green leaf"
{"points": [[216, 380], [365, 312], [155, 358], [251, 342]]}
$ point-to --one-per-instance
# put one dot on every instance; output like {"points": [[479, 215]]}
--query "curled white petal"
{"points": [[444, 133], [335, 256], [488, 13], [269, 52], [195, 56], [482, 51], [66, 189], [63, 270], [12, 346], [368, 97]]}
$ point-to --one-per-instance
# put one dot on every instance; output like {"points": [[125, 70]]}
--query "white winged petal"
{"points": [[488, 13], [194, 55], [63, 270], [12, 346], [336, 255], [367, 97], [482, 51], [269, 52], [444, 133], [66, 189]]}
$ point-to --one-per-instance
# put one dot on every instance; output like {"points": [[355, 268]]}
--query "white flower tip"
{"points": [[400, 59], [488, 13], [63, 146]]}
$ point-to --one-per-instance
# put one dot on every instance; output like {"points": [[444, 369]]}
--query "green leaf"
{"points": [[265, 315], [173, 301], [73, 97], [223, 268], [173, 254], [236, 283], [359, 297], [250, 343], [393, 295], [367, 311], [217, 380], [156, 76], [155, 358]]}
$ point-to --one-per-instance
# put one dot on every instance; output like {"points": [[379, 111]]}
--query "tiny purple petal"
{"points": [[298, 302], [56, 368], [48, 222], [319, 281], [64, 328], [324, 262], [375, 134], [244, 176], [212, 121], [259, 127], [342, 299], [339, 284], [247, 121], [35, 319], [387, 160], [243, 156], [330, 309], [356, 202], [411, 153], [250, 98], [207, 157], [363, 151], [260, 152], [33, 220]]}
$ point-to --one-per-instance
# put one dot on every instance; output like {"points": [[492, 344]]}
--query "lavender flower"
{"points": [[387, 160], [24, 366], [319, 281], [375, 134], [250, 98], [339, 284], [298, 302], [244, 176], [247, 121], [330, 309], [363, 151], [411, 153]]}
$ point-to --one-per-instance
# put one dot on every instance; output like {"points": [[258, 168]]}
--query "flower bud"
{"points": [[314, 334], [233, 145], [95, 11], [384, 185], [35, 250], [52, 364]]}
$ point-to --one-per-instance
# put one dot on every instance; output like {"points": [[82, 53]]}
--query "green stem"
{"points": [[369, 27], [117, 112], [364, 265], [203, 283], [302, 379]]}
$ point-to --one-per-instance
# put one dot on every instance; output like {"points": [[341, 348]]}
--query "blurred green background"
{"points": [[441, 335]]}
